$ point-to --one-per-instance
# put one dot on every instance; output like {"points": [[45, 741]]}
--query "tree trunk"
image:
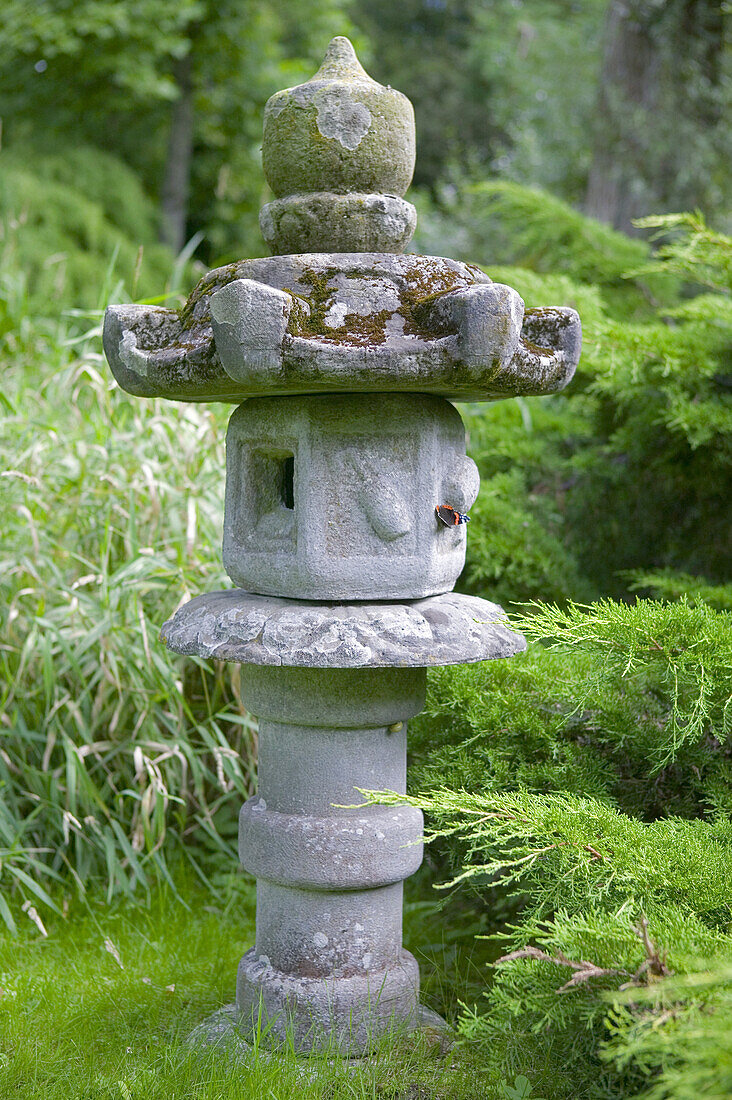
{"points": [[176, 184], [660, 139], [626, 98]]}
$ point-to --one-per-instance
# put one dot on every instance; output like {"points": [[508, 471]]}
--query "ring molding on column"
{"points": [[313, 1012], [337, 852]]}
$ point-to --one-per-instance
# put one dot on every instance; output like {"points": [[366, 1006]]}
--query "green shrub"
{"points": [[100, 176], [584, 791], [506, 223], [653, 489], [631, 467], [67, 219]]}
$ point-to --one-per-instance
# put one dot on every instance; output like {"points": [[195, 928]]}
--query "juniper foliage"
{"points": [[631, 469], [583, 790]]}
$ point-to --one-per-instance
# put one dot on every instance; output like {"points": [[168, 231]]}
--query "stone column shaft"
{"points": [[328, 962]]}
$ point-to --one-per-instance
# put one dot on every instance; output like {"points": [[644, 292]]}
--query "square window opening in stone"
{"points": [[272, 479], [266, 497]]}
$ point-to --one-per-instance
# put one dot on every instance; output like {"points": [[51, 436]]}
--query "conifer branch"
{"points": [[653, 966], [584, 970]]}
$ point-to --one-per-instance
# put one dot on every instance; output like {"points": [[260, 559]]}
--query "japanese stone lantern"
{"points": [[342, 355]]}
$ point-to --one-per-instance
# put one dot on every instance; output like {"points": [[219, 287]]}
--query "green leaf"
{"points": [[520, 1090]]}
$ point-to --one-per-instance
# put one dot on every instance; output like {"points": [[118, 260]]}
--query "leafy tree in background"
{"points": [[510, 89], [72, 245], [425, 48], [616, 106], [662, 134], [175, 88], [544, 59], [506, 88], [631, 468]]}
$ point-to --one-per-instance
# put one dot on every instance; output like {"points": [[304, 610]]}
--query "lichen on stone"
{"points": [[202, 291], [319, 300], [420, 282]]}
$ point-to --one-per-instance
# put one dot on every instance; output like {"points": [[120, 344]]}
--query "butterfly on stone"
{"points": [[450, 516]]}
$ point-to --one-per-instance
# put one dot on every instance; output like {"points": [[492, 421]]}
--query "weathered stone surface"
{"points": [[223, 1034], [306, 828], [250, 321], [265, 630], [317, 770], [341, 131], [334, 469], [329, 934], [362, 322], [328, 967], [325, 222], [323, 853], [486, 321], [334, 697], [333, 497], [152, 356], [329, 869], [351, 1012]]}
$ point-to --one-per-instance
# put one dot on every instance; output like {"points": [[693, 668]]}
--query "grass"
{"points": [[81, 1019], [111, 750], [99, 1009]]}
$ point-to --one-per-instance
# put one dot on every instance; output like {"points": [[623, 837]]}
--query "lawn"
{"points": [[101, 1007]]}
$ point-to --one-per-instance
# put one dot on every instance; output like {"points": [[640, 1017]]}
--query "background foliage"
{"points": [[579, 795]]}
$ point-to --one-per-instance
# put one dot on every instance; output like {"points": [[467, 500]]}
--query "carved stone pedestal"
{"points": [[333, 687], [328, 961]]}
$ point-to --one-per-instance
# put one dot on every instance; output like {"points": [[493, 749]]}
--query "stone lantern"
{"points": [[342, 354]]}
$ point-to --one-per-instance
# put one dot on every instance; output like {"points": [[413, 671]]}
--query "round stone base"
{"points": [[350, 1013], [224, 1032]]}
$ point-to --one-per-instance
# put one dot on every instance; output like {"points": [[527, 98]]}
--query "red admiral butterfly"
{"points": [[450, 516]]}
